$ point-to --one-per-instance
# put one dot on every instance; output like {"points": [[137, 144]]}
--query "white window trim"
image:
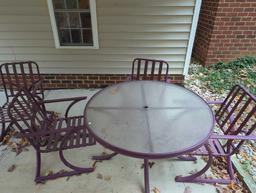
{"points": [[94, 27], [192, 36]]}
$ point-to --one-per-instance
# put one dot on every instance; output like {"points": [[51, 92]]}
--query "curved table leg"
{"points": [[146, 176], [104, 157], [192, 178]]}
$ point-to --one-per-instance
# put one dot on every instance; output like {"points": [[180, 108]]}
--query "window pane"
{"points": [[87, 35], [84, 4], [62, 20], [59, 4], [71, 4], [64, 36], [86, 20], [74, 20], [76, 36]]}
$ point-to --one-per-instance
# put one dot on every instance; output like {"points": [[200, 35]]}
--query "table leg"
{"points": [[146, 176]]}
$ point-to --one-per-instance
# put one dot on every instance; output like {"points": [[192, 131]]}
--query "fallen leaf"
{"points": [[187, 190], [149, 163], [48, 173], [12, 168], [94, 163], [62, 171], [156, 190], [99, 176], [107, 178], [232, 185]]}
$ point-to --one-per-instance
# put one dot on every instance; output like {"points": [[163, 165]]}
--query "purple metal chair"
{"points": [[149, 69], [236, 118], [46, 133], [14, 76]]}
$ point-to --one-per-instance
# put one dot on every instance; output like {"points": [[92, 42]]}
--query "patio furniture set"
{"points": [[145, 117]]}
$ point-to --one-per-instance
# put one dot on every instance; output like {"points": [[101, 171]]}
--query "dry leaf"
{"points": [[94, 163], [12, 168], [62, 171], [50, 172], [187, 190], [232, 185], [107, 178], [156, 190], [99, 176]]}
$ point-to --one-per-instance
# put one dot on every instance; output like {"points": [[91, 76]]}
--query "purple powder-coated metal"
{"points": [[236, 118], [149, 69], [47, 133], [149, 120], [14, 76]]}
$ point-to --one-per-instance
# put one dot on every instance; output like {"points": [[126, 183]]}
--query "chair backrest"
{"points": [[18, 75], [28, 115], [237, 115], [149, 69]]}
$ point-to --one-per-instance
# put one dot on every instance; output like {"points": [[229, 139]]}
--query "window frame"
{"points": [[93, 21]]}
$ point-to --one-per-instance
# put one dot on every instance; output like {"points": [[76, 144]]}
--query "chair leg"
{"points": [[75, 170], [197, 177], [38, 178], [231, 170]]}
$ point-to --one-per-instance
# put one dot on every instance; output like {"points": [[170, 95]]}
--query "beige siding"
{"points": [[127, 29]]}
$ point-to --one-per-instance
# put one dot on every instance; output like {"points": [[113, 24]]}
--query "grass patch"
{"points": [[221, 76]]}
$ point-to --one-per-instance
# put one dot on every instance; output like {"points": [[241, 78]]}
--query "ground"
{"points": [[119, 175]]}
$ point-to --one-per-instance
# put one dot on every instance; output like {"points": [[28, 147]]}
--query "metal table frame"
{"points": [[149, 156]]}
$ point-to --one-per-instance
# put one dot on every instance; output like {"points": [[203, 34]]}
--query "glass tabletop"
{"points": [[149, 118]]}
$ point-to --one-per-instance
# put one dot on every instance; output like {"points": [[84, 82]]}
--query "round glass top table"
{"points": [[149, 120]]}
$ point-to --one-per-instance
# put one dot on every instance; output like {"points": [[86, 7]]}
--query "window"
{"points": [[74, 23]]}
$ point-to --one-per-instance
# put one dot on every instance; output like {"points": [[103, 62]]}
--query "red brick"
{"points": [[226, 30]]}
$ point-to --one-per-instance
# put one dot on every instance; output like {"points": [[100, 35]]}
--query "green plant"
{"points": [[221, 76]]}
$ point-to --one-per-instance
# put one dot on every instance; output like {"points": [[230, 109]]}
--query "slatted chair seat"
{"points": [[47, 133], [150, 69], [236, 118], [78, 138]]}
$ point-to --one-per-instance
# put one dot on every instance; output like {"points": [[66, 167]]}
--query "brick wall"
{"points": [[226, 30], [52, 81]]}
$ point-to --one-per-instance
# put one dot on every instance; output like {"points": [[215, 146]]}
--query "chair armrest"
{"points": [[234, 137], [73, 99], [64, 99]]}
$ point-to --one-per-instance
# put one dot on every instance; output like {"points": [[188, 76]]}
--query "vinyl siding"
{"points": [[127, 29]]}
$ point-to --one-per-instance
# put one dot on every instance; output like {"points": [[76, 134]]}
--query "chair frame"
{"points": [[14, 76], [223, 145], [137, 68], [46, 132]]}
